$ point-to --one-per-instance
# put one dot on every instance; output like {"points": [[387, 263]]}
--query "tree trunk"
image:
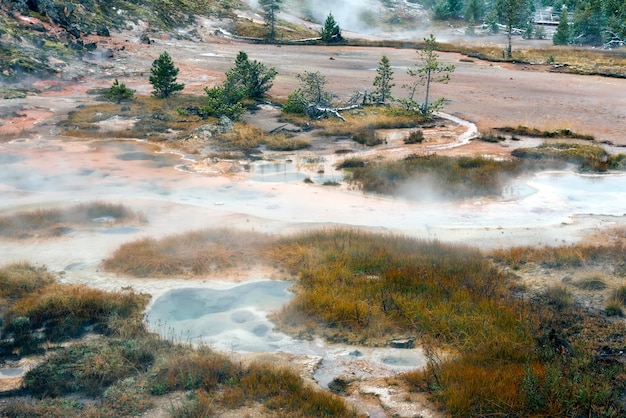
{"points": [[509, 51], [427, 91]]}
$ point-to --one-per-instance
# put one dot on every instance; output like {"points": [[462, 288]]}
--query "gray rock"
{"points": [[405, 343]]}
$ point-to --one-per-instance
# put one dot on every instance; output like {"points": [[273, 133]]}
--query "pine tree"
{"points": [[562, 34], [163, 77], [253, 77], [383, 81], [428, 70], [270, 10], [511, 13], [331, 31], [119, 92]]}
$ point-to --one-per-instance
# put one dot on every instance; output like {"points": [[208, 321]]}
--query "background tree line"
{"points": [[593, 22]]}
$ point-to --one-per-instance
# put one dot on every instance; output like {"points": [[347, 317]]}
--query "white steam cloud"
{"points": [[352, 15]]}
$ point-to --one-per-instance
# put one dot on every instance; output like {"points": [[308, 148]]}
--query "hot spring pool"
{"points": [[227, 319]]}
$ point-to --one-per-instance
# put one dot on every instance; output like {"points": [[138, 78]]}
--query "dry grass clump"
{"points": [[19, 279], [56, 222], [594, 282], [282, 142], [558, 296], [588, 157], [65, 311], [244, 138], [190, 253], [614, 308], [557, 133], [576, 255], [619, 295], [156, 118], [361, 125], [445, 177], [217, 381], [616, 302], [363, 286]]}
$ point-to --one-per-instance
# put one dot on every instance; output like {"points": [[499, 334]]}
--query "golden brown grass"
{"points": [[283, 142], [155, 117], [66, 310], [507, 356], [575, 255], [279, 389], [56, 222], [569, 59], [362, 124], [244, 138], [191, 253], [18, 279]]}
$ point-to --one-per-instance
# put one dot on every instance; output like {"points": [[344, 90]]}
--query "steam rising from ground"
{"points": [[352, 15]]}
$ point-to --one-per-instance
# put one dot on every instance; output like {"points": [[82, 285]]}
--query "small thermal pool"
{"points": [[227, 319], [11, 372], [289, 172]]}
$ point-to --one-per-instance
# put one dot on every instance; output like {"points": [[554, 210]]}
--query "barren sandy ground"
{"points": [[491, 95]]}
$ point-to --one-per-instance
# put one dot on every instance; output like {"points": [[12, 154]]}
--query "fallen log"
{"points": [[315, 111]]}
